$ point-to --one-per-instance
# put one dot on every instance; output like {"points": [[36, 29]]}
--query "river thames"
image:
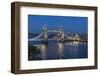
{"points": [[58, 50]]}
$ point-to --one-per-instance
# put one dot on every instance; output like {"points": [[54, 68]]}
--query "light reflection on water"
{"points": [[44, 49], [57, 50]]}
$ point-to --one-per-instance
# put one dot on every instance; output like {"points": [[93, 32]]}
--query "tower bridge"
{"points": [[46, 31], [59, 32]]}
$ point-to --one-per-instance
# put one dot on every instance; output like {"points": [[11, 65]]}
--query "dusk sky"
{"points": [[69, 23]]}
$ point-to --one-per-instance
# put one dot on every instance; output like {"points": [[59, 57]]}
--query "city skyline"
{"points": [[48, 38]]}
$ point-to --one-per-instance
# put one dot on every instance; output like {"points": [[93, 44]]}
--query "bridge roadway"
{"points": [[41, 39]]}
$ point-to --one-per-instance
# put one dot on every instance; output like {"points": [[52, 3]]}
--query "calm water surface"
{"points": [[57, 50]]}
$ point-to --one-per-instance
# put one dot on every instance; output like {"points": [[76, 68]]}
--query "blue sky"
{"points": [[69, 23]]}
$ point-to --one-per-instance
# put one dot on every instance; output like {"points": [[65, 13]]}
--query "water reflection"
{"points": [[61, 50], [44, 49], [72, 49], [57, 50]]}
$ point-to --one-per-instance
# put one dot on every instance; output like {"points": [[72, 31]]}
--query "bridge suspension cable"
{"points": [[37, 37]]}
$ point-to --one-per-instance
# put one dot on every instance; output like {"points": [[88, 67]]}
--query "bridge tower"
{"points": [[45, 32], [62, 33]]}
